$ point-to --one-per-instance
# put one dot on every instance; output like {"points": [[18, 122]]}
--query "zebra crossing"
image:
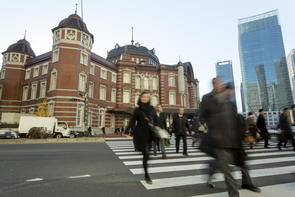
{"points": [[270, 169]]}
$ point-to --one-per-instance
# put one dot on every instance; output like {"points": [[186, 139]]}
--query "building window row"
{"points": [[36, 71], [145, 83], [137, 60], [34, 87], [103, 73]]}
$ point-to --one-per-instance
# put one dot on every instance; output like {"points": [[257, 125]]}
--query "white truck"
{"points": [[56, 128]]}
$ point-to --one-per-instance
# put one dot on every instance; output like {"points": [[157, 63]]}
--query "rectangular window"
{"points": [[132, 59], [126, 96], [36, 72], [31, 111], [28, 74], [155, 83], [2, 74], [92, 69], [1, 90], [137, 82], [102, 95], [80, 113], [84, 59], [103, 74], [114, 78], [113, 119], [146, 83], [137, 60], [55, 54], [113, 95], [91, 89], [82, 83], [42, 89], [25, 93], [171, 98], [51, 109], [53, 81], [171, 81], [33, 91], [126, 77], [45, 69]]}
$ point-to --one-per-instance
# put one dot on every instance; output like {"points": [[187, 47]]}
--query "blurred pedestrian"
{"points": [[262, 128], [252, 130], [169, 127], [103, 129], [89, 131], [180, 124], [226, 130], [162, 124], [286, 131], [143, 115]]}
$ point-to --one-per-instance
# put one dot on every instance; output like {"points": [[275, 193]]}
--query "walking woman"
{"points": [[251, 129], [142, 133]]}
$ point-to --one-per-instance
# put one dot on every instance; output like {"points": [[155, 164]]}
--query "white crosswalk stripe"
{"points": [[180, 171]]}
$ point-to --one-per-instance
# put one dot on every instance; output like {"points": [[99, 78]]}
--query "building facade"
{"points": [[291, 70], [109, 86], [242, 97], [263, 62], [224, 69]]}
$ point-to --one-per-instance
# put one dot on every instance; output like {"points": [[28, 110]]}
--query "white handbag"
{"points": [[163, 133]]}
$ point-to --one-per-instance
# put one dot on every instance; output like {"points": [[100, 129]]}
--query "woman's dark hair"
{"points": [[261, 110], [141, 104], [250, 114]]}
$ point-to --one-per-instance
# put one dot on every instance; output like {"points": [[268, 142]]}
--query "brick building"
{"points": [[112, 85]]}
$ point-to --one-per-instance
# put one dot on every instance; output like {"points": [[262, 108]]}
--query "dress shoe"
{"points": [[266, 147], [185, 154], [148, 180], [164, 157], [210, 185], [251, 188]]}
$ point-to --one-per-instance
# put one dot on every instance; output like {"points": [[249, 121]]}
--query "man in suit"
{"points": [[262, 128], [162, 124], [286, 130], [180, 124], [223, 138]]}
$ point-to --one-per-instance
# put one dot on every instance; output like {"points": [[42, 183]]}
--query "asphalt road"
{"points": [[71, 169]]}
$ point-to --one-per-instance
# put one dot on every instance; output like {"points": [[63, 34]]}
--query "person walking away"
{"points": [[142, 133], [162, 123], [180, 124], [89, 131], [262, 128], [285, 123], [103, 129], [226, 130], [251, 129]]}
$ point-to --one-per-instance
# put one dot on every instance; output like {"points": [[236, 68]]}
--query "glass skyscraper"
{"points": [[291, 70], [263, 63], [225, 70]]}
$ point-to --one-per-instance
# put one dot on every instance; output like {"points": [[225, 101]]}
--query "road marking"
{"points": [[199, 179], [287, 189], [204, 166], [76, 177], [36, 179]]}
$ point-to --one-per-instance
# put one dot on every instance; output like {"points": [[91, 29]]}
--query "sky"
{"points": [[200, 31]]}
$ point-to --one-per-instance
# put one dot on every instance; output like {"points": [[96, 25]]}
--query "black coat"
{"points": [[142, 134], [176, 125], [284, 123], [222, 122], [261, 124], [162, 121]]}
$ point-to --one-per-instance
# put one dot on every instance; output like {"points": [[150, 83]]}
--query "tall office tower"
{"points": [[291, 69], [242, 97], [263, 63], [225, 70]]}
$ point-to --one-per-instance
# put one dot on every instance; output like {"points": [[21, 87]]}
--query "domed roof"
{"points": [[73, 21], [131, 48], [22, 46]]}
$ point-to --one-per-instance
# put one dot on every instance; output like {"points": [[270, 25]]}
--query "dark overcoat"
{"points": [[284, 123], [142, 134], [222, 122], [176, 125]]}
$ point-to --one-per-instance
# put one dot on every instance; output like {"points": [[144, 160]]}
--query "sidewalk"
{"points": [[51, 140]]}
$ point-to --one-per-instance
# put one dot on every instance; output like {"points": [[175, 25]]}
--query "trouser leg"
{"points": [[144, 163], [213, 166], [162, 145], [266, 141], [225, 156], [155, 147], [177, 143], [246, 179], [184, 144]]}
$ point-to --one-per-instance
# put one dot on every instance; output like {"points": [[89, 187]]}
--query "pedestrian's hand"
{"points": [[258, 130], [158, 128], [247, 131]]}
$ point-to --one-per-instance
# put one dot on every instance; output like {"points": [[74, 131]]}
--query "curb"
{"points": [[62, 140]]}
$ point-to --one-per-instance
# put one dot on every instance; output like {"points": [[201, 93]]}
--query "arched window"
{"points": [[137, 82], [155, 100], [155, 83], [146, 83]]}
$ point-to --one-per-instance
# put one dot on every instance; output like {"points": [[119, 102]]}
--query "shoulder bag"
{"points": [[154, 132]]}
